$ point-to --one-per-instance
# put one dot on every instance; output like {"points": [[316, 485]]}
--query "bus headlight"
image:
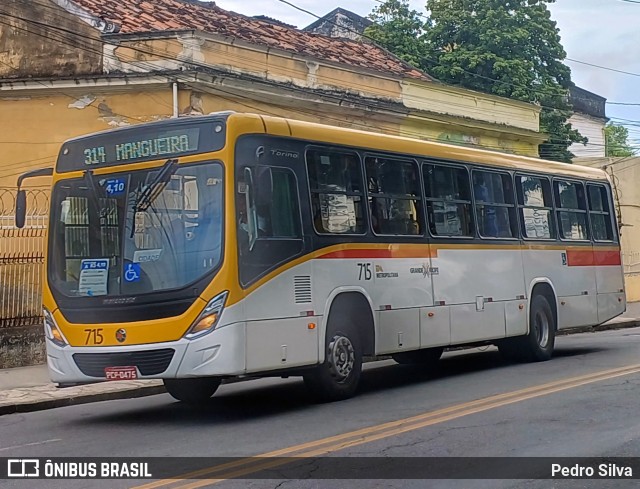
{"points": [[51, 330], [209, 317]]}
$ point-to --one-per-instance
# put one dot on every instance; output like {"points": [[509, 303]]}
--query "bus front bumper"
{"points": [[220, 353]]}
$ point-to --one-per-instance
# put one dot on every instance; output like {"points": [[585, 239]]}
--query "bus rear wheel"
{"points": [[192, 391], [338, 377], [428, 357], [537, 346]]}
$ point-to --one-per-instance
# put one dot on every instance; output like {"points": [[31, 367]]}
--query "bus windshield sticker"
{"points": [[146, 256], [115, 186], [94, 275], [132, 272]]}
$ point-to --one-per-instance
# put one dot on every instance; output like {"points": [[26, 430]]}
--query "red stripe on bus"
{"points": [[580, 258], [359, 254], [421, 252], [590, 258], [607, 258]]}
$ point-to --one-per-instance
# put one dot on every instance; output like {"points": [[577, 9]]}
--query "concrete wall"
{"points": [[30, 49]]}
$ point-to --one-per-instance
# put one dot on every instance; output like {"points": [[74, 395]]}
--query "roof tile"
{"points": [[138, 16]]}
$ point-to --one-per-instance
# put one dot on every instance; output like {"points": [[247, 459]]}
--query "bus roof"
{"points": [[428, 149]]}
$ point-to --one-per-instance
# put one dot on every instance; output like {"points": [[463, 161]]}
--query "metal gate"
{"points": [[22, 258]]}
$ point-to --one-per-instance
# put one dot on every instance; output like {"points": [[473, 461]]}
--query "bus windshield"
{"points": [[104, 243]]}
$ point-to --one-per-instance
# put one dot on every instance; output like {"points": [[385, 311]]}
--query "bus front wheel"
{"points": [[192, 391], [338, 377], [537, 346]]}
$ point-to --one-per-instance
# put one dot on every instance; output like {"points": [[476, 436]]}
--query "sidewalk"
{"points": [[28, 389]]}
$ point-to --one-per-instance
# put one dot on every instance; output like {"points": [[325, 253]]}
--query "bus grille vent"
{"points": [[149, 362], [302, 289]]}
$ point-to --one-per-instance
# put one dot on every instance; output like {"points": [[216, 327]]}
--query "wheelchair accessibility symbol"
{"points": [[132, 272]]}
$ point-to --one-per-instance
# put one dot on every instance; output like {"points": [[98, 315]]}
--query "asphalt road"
{"points": [[474, 405]]}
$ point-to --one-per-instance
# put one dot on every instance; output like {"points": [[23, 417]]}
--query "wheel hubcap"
{"points": [[542, 329], [341, 356]]}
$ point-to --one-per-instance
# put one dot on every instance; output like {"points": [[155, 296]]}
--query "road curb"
{"points": [[40, 405], [151, 390]]}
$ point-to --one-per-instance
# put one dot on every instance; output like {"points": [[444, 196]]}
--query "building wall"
{"points": [[244, 77], [60, 116], [29, 49], [505, 125], [593, 129]]}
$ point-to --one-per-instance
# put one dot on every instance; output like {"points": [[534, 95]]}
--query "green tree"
{"points": [[509, 48], [616, 137], [398, 28]]}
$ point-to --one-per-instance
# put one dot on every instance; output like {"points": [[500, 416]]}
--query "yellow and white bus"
{"points": [[200, 249]]}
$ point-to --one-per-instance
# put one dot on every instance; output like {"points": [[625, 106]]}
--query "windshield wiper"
{"points": [[93, 190], [154, 189], [157, 185]]}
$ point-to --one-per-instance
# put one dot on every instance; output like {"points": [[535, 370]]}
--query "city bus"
{"points": [[202, 249]]}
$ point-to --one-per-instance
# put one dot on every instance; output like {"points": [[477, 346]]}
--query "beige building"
{"points": [[589, 117], [68, 67]]}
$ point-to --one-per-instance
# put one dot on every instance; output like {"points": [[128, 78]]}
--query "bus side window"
{"points": [[336, 186], [535, 206], [448, 198], [600, 213], [493, 193], [571, 210], [395, 196]]}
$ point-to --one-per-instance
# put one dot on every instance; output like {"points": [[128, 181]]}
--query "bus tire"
{"points": [[428, 357], [538, 344], [337, 378], [192, 391]]}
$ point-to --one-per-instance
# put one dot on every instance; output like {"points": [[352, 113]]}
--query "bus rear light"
{"points": [[51, 330], [208, 319], [311, 326]]}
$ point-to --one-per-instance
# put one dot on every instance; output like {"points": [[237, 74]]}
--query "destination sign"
{"points": [[169, 139], [179, 142]]}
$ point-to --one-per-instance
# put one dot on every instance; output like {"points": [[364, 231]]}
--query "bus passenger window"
{"points": [[495, 207], [394, 196], [600, 213], [448, 200], [534, 202], [335, 181], [572, 210]]}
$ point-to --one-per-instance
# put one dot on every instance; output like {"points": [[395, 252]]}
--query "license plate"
{"points": [[121, 373]]}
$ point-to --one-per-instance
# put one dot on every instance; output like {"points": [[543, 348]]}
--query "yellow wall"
{"points": [[33, 128], [446, 99]]}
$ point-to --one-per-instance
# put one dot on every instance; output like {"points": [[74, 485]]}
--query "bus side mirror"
{"points": [[21, 196], [21, 208], [264, 185]]}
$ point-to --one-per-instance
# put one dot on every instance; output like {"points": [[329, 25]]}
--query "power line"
{"points": [[603, 67], [624, 103]]}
